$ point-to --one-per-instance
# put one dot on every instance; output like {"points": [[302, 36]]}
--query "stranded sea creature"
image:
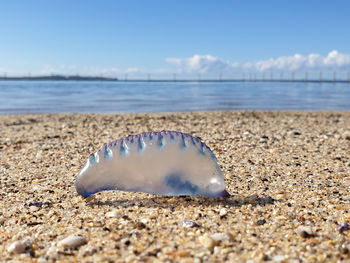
{"points": [[165, 163]]}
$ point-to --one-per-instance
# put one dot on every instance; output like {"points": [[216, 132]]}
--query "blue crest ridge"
{"points": [[107, 153], [140, 144], [160, 140], [192, 140], [183, 141], [123, 149], [93, 158], [201, 149]]}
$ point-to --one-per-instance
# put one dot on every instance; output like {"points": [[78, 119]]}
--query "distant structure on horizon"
{"points": [[304, 76]]}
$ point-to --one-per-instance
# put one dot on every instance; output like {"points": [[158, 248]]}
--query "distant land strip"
{"points": [[99, 78], [60, 77]]}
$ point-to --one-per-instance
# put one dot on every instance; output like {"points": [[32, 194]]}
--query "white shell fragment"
{"points": [[190, 223], [113, 213], [72, 241], [164, 163]]}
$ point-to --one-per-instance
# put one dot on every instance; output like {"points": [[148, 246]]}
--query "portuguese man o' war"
{"points": [[167, 163]]}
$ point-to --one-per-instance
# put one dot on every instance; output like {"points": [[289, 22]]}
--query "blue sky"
{"points": [[160, 37]]}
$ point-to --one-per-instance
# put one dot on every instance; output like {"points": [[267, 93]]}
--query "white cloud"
{"points": [[208, 65], [212, 64], [200, 64]]}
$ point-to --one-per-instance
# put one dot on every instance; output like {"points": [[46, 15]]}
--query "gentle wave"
{"points": [[18, 97]]}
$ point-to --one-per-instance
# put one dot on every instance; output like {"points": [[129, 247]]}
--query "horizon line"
{"points": [[111, 79]]}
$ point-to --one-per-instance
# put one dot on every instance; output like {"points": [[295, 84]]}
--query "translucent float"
{"points": [[167, 163]]}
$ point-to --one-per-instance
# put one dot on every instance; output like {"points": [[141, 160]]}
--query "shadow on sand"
{"points": [[185, 201]]}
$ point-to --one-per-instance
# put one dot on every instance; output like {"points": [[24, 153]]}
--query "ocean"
{"points": [[21, 97]]}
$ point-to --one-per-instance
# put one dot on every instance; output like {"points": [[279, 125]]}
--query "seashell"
{"points": [[167, 163], [72, 241]]}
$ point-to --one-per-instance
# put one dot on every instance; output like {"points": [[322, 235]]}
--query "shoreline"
{"points": [[288, 173], [184, 80], [285, 111]]}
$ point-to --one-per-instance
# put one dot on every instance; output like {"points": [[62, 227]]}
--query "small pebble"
{"points": [[37, 204], [347, 135], [126, 241], [52, 252], [72, 241], [144, 220], [17, 247], [111, 214], [304, 231], [219, 237], [140, 225], [261, 222], [343, 227], [190, 223], [223, 212], [344, 248], [207, 242]]}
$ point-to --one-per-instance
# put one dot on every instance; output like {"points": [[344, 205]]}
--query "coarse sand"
{"points": [[288, 174]]}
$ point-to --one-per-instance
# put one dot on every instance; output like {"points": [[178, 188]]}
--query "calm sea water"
{"points": [[106, 97]]}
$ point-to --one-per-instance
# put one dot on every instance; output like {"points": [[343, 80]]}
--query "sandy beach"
{"points": [[288, 174]]}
